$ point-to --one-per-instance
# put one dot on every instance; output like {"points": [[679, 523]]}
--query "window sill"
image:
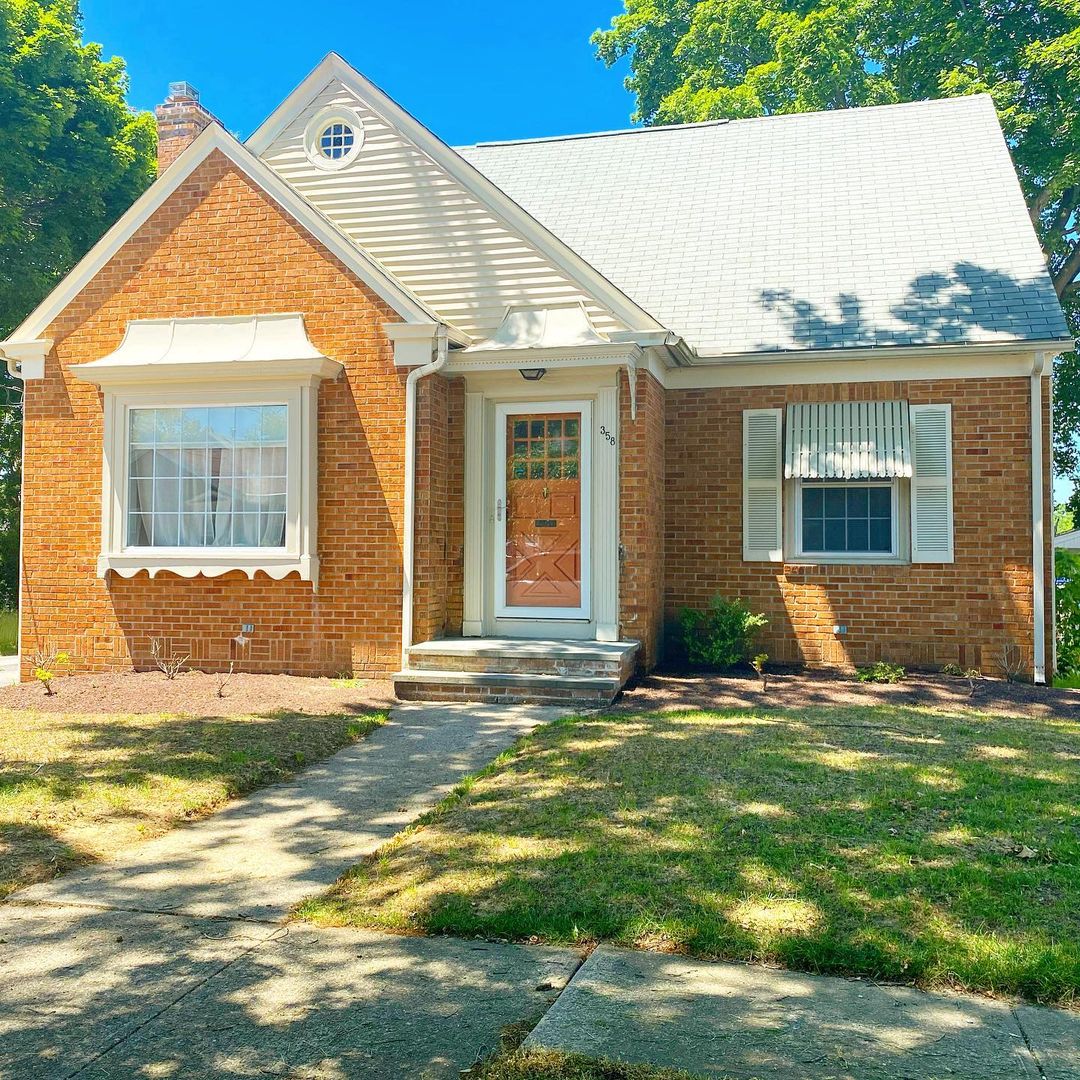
{"points": [[191, 564], [845, 560]]}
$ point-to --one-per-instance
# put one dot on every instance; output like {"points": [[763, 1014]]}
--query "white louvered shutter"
{"points": [[931, 484], [762, 486]]}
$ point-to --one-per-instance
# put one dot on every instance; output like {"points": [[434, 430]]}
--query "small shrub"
{"points": [[881, 672], [170, 664], [955, 670], [758, 664], [45, 662], [721, 635], [1067, 585]]}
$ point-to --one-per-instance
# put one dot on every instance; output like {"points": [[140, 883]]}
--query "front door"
{"points": [[542, 511]]}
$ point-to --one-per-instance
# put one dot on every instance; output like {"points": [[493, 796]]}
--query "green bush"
{"points": [[880, 672], [1067, 575], [720, 636]]}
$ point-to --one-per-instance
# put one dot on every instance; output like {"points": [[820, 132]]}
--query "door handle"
{"points": [[498, 509]]}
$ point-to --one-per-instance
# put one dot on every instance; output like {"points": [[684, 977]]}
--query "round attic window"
{"points": [[334, 138]]}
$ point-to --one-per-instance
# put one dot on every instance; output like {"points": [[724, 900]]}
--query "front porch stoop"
{"points": [[517, 671]]}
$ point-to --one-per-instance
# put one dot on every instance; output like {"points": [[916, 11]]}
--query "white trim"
{"points": [[502, 411], [967, 363], [297, 556], [831, 558], [502, 207], [213, 138], [606, 499], [335, 114], [473, 573], [881, 352], [1038, 539]]}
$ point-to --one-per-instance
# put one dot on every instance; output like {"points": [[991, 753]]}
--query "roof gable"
{"points": [[900, 225], [436, 223], [215, 138]]}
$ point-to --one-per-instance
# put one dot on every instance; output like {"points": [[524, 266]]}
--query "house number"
{"points": [[607, 434]]}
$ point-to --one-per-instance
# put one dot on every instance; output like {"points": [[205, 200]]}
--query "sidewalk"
{"points": [[739, 1021]]}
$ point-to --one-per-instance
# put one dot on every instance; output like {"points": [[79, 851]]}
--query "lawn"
{"points": [[939, 848], [76, 788], [9, 633]]}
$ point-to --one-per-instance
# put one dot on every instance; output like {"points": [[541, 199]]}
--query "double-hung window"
{"points": [[836, 518], [851, 481], [207, 476]]}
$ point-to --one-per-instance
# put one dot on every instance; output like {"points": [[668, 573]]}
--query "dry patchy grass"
{"points": [[77, 788], [552, 1065], [940, 848]]}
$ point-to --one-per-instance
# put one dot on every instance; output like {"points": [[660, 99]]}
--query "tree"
{"points": [[694, 60], [73, 157]]}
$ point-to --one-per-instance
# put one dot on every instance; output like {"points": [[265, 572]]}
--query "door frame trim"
{"points": [[504, 410]]}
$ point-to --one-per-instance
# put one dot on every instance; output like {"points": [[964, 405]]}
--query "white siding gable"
{"points": [[422, 225]]}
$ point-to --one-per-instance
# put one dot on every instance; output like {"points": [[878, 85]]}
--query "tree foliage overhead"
{"points": [[694, 60], [73, 157], [73, 154]]}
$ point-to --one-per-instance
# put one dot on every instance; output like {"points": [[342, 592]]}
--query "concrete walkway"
{"points": [[261, 855], [751, 1023], [9, 670], [172, 961]]}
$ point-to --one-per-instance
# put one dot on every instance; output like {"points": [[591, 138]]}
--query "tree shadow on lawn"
{"points": [[74, 789], [935, 848]]}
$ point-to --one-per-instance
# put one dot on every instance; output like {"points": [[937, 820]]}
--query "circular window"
{"points": [[334, 138], [336, 141]]}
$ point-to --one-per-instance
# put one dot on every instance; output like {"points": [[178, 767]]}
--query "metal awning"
{"points": [[847, 440], [211, 347]]}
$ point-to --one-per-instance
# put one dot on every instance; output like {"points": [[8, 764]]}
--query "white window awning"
{"points": [[256, 346], [848, 440]]}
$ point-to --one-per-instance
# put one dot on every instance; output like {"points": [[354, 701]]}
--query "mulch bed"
{"points": [[195, 693], [695, 689]]}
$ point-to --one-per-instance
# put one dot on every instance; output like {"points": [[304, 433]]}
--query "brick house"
{"points": [[488, 417]]}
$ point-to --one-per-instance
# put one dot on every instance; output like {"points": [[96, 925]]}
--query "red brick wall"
{"points": [[641, 513], [219, 246], [919, 615]]}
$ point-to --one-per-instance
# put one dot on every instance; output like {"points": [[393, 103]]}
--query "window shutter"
{"points": [[762, 486], [931, 484]]}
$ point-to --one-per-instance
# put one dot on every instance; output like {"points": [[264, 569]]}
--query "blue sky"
{"points": [[470, 72]]}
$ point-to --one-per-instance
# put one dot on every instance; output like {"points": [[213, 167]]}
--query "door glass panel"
{"points": [[543, 511]]}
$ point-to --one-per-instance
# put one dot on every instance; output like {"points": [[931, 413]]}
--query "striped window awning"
{"points": [[847, 440]]}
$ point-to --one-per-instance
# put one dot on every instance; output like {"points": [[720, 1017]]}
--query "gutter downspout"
{"points": [[409, 540], [1038, 563]]}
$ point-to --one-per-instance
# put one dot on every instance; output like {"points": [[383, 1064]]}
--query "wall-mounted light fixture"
{"points": [[532, 374]]}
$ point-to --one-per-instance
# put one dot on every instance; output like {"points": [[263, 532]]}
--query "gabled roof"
{"points": [[216, 138], [435, 222], [898, 225]]}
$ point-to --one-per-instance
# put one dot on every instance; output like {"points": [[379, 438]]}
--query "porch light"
{"points": [[532, 374]]}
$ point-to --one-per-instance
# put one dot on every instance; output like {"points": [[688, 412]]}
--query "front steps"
{"points": [[516, 670]]}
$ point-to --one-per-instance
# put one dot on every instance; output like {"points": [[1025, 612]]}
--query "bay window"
{"points": [[210, 447]]}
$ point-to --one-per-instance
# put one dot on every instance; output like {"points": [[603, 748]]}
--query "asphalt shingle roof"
{"points": [[896, 225]]}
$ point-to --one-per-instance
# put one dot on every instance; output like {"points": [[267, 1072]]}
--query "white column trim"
{"points": [[606, 532], [473, 600]]}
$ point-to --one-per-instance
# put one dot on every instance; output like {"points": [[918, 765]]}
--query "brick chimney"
{"points": [[180, 118]]}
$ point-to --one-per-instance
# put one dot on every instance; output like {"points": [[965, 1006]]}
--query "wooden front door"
{"points": [[543, 513]]}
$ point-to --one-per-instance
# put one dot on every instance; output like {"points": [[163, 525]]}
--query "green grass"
{"points": [[76, 788], [936, 848], [551, 1065], [9, 633], [1070, 682]]}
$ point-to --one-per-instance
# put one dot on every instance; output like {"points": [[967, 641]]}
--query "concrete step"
{"points": [[536, 657], [432, 684]]}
